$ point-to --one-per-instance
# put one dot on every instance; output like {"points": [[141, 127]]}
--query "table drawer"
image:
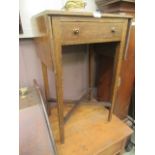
{"points": [[90, 32]]}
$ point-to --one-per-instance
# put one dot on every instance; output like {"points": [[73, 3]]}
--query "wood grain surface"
{"points": [[88, 132], [68, 28]]}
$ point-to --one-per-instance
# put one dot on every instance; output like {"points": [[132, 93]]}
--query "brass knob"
{"points": [[76, 31], [113, 29]]}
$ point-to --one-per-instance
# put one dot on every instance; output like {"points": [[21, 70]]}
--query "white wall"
{"points": [[29, 8], [29, 64]]}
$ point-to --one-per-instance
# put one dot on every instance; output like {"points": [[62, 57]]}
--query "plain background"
{"points": [[145, 77]]}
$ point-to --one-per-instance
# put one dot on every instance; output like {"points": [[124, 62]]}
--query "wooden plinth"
{"points": [[88, 132]]}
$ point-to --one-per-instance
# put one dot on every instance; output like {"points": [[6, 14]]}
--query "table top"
{"points": [[82, 14]]}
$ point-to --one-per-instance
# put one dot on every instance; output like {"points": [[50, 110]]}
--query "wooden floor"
{"points": [[87, 132]]}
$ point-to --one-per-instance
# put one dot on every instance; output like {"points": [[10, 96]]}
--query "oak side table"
{"points": [[60, 28]]}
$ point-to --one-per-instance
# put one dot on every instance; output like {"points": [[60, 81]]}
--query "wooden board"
{"points": [[127, 79], [117, 6], [105, 64], [88, 132]]}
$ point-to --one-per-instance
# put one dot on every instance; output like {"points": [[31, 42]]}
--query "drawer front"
{"points": [[112, 150], [90, 32]]}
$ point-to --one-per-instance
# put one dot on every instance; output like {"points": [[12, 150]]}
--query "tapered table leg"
{"points": [[58, 75], [90, 70], [46, 85]]}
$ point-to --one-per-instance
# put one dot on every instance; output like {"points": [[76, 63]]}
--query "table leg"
{"points": [[59, 92], [58, 74], [117, 68], [46, 85], [91, 70]]}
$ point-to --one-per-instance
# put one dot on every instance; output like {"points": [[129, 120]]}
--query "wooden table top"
{"points": [[84, 14]]}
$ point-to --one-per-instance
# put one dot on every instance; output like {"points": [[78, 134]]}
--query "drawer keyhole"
{"points": [[76, 31]]}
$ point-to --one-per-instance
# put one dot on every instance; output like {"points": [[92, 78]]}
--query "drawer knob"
{"points": [[113, 29], [76, 31]]}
